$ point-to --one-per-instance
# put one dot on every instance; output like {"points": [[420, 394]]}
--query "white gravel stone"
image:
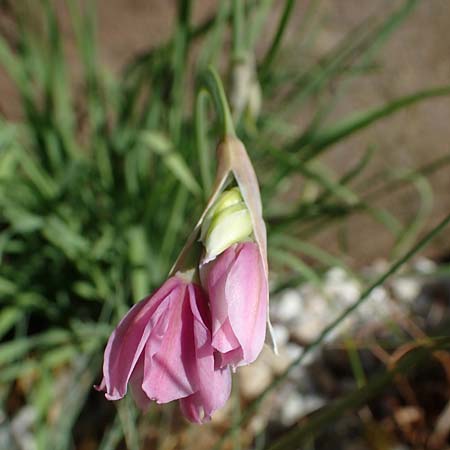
{"points": [[293, 351], [424, 265], [406, 289], [375, 307], [296, 406], [288, 307], [280, 334], [254, 378]]}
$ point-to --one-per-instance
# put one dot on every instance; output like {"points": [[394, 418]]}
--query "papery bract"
{"points": [[237, 286], [162, 347]]}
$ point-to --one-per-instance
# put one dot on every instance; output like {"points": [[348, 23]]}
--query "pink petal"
{"points": [[214, 276], [232, 358], [127, 341], [237, 288], [214, 386], [246, 294], [168, 371], [139, 396], [224, 339], [192, 408]]}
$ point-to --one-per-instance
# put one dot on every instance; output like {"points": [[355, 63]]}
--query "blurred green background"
{"points": [[106, 159]]}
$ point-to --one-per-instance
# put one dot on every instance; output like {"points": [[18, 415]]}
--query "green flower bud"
{"points": [[226, 223]]}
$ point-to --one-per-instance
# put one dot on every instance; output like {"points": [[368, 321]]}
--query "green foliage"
{"points": [[100, 187]]}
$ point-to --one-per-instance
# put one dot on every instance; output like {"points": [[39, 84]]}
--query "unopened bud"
{"points": [[227, 223]]}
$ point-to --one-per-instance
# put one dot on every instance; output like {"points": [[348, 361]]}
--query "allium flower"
{"points": [[178, 343], [237, 288], [162, 347]]}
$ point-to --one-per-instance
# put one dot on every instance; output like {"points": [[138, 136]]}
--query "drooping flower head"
{"points": [[162, 348], [179, 343]]}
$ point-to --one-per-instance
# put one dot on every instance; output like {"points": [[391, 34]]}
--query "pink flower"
{"points": [[162, 347], [236, 283]]}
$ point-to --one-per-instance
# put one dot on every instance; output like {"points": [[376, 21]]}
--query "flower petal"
{"points": [[237, 287], [224, 339], [192, 408], [139, 396], [127, 341], [214, 386], [214, 277], [246, 294], [232, 358], [168, 372]]}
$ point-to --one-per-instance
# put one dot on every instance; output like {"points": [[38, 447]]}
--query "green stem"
{"points": [[210, 82], [210, 86], [218, 93], [238, 21]]}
